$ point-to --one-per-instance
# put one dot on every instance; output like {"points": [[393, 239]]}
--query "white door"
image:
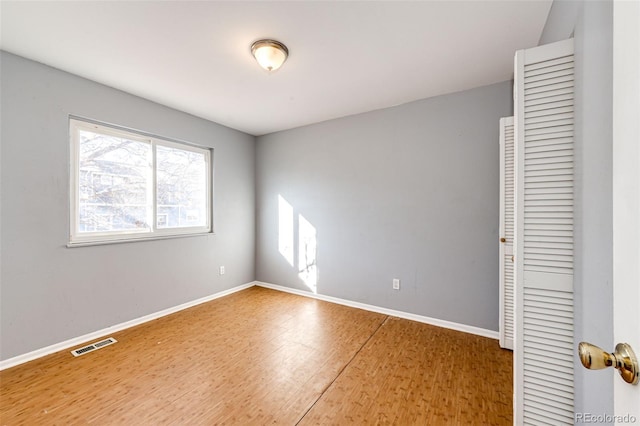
{"points": [[544, 357], [506, 228], [626, 196]]}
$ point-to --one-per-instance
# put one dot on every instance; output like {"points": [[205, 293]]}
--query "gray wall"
{"points": [[561, 21], [408, 192], [50, 293], [592, 25]]}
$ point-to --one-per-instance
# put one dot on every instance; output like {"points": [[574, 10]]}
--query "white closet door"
{"points": [[543, 366], [507, 212]]}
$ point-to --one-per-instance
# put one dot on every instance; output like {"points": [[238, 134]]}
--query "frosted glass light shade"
{"points": [[270, 54]]}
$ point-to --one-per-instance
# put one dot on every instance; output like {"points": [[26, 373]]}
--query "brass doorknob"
{"points": [[503, 240], [623, 359]]}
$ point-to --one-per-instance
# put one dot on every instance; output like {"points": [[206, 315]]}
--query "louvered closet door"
{"points": [[507, 213], [544, 235]]}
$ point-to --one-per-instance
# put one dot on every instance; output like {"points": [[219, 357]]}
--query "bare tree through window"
{"points": [[117, 177], [181, 182], [115, 183]]}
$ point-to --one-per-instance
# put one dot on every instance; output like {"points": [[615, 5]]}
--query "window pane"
{"points": [[123, 178], [114, 183], [181, 188]]}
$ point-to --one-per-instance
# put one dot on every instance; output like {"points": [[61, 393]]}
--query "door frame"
{"points": [[626, 194]]}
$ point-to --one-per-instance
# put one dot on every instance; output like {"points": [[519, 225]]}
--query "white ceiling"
{"points": [[345, 57]]}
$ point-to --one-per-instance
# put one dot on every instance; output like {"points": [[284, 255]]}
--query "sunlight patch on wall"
{"points": [[285, 229], [302, 233], [308, 271]]}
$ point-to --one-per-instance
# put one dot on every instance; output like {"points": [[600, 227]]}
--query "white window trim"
{"points": [[77, 239]]}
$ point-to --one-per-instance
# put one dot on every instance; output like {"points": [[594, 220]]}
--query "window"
{"points": [[127, 186]]}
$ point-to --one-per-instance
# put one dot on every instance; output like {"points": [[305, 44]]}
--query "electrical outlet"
{"points": [[222, 270], [396, 284]]}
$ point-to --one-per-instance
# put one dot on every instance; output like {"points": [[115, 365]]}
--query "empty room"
{"points": [[319, 212]]}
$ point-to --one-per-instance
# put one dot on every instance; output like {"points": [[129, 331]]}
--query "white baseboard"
{"points": [[77, 341], [406, 315]]}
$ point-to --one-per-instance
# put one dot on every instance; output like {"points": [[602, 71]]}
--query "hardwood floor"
{"points": [[264, 357]]}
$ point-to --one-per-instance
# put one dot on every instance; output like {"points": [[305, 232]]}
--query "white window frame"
{"points": [[77, 238]]}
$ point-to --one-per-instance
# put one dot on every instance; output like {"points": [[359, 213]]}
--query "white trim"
{"points": [[38, 353], [77, 341], [400, 314], [80, 239], [518, 234], [145, 238], [626, 194]]}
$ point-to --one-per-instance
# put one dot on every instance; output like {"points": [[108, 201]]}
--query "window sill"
{"points": [[86, 243]]}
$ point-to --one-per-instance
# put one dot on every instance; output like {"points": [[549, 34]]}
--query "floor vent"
{"points": [[93, 347]]}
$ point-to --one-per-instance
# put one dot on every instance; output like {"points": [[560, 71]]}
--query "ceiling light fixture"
{"points": [[270, 54]]}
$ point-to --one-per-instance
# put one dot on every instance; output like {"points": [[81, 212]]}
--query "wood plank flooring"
{"points": [[261, 356]]}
